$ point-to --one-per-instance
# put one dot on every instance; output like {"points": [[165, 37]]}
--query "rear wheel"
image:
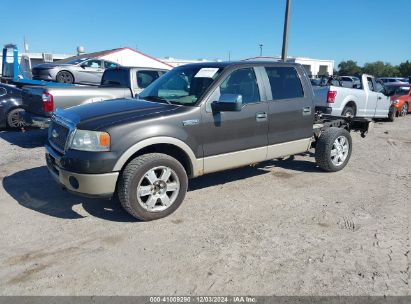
{"points": [[348, 112], [333, 149], [14, 119], [391, 114], [65, 77], [404, 110], [152, 186]]}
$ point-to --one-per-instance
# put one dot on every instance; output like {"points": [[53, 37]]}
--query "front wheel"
{"points": [[152, 186], [333, 149]]}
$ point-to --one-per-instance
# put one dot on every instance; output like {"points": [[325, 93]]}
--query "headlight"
{"points": [[84, 140], [395, 102]]}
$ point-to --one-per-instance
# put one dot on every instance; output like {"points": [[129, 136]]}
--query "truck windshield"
{"points": [[183, 85]]}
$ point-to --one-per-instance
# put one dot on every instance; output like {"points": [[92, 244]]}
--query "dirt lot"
{"points": [[283, 228]]}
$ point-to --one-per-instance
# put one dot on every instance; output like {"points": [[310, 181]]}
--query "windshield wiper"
{"points": [[156, 98]]}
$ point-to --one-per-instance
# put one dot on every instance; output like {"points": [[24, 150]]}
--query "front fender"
{"points": [[196, 164]]}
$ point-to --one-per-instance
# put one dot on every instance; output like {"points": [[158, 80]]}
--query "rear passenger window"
{"points": [[145, 78], [109, 65], [285, 83], [242, 82]]}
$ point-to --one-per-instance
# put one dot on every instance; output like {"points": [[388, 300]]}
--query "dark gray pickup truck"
{"points": [[196, 119]]}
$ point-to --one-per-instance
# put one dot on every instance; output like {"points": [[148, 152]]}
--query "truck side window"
{"points": [[145, 78], [242, 82], [285, 83], [370, 84]]}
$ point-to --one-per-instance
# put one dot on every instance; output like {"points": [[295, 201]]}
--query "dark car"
{"points": [[81, 70], [10, 106]]}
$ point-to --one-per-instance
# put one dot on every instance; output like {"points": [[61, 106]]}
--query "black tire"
{"points": [[324, 146], [13, 119], [135, 172], [404, 110], [391, 114], [348, 111], [65, 77]]}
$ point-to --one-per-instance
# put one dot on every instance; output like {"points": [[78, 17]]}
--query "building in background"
{"points": [[314, 67], [177, 62], [130, 57]]}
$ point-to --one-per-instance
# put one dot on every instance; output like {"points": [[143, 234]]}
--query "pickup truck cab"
{"points": [[39, 103], [369, 99], [196, 119]]}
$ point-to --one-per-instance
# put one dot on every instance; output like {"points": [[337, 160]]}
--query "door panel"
{"points": [[227, 133], [91, 71], [291, 112]]}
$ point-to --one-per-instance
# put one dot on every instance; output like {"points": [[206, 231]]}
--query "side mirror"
{"points": [[83, 65], [228, 103]]}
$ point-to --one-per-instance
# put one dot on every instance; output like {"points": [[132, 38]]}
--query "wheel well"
{"points": [[351, 104], [168, 149], [72, 75]]}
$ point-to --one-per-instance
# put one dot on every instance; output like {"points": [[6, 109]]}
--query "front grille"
{"points": [[58, 135]]}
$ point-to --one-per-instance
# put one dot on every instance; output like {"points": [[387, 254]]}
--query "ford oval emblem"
{"points": [[54, 133]]}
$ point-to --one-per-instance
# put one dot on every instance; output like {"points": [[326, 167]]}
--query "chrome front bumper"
{"points": [[90, 185]]}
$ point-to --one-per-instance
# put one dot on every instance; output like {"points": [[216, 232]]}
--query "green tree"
{"points": [[405, 69], [349, 67], [381, 69]]}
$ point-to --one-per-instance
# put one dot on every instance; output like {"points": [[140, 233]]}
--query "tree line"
{"points": [[377, 69]]}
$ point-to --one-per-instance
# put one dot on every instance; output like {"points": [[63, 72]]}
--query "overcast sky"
{"points": [[362, 30]]}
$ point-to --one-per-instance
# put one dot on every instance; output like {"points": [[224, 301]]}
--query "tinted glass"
{"points": [[242, 82], [73, 61], [145, 78], [108, 65], [93, 64], [182, 85], [285, 83], [115, 77]]}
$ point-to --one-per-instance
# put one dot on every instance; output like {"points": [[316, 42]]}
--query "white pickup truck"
{"points": [[368, 100]]}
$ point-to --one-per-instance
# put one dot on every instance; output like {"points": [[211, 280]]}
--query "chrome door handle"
{"points": [[307, 111], [262, 116]]}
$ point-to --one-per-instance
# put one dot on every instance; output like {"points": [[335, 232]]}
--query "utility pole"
{"points": [[229, 55], [284, 54], [261, 49]]}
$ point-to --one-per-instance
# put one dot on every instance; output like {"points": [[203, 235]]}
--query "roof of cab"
{"points": [[224, 64]]}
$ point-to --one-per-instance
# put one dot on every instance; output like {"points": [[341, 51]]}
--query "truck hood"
{"points": [[97, 115]]}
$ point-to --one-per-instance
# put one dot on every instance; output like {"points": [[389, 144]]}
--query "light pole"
{"points": [[261, 49], [284, 54]]}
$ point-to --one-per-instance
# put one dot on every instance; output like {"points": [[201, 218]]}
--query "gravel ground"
{"points": [[282, 227]]}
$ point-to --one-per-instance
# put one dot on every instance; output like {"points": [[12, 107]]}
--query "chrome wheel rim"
{"points": [[65, 78], [339, 151], [15, 121], [158, 189]]}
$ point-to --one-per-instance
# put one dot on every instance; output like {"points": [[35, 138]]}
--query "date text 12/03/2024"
{"points": [[203, 299]]}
